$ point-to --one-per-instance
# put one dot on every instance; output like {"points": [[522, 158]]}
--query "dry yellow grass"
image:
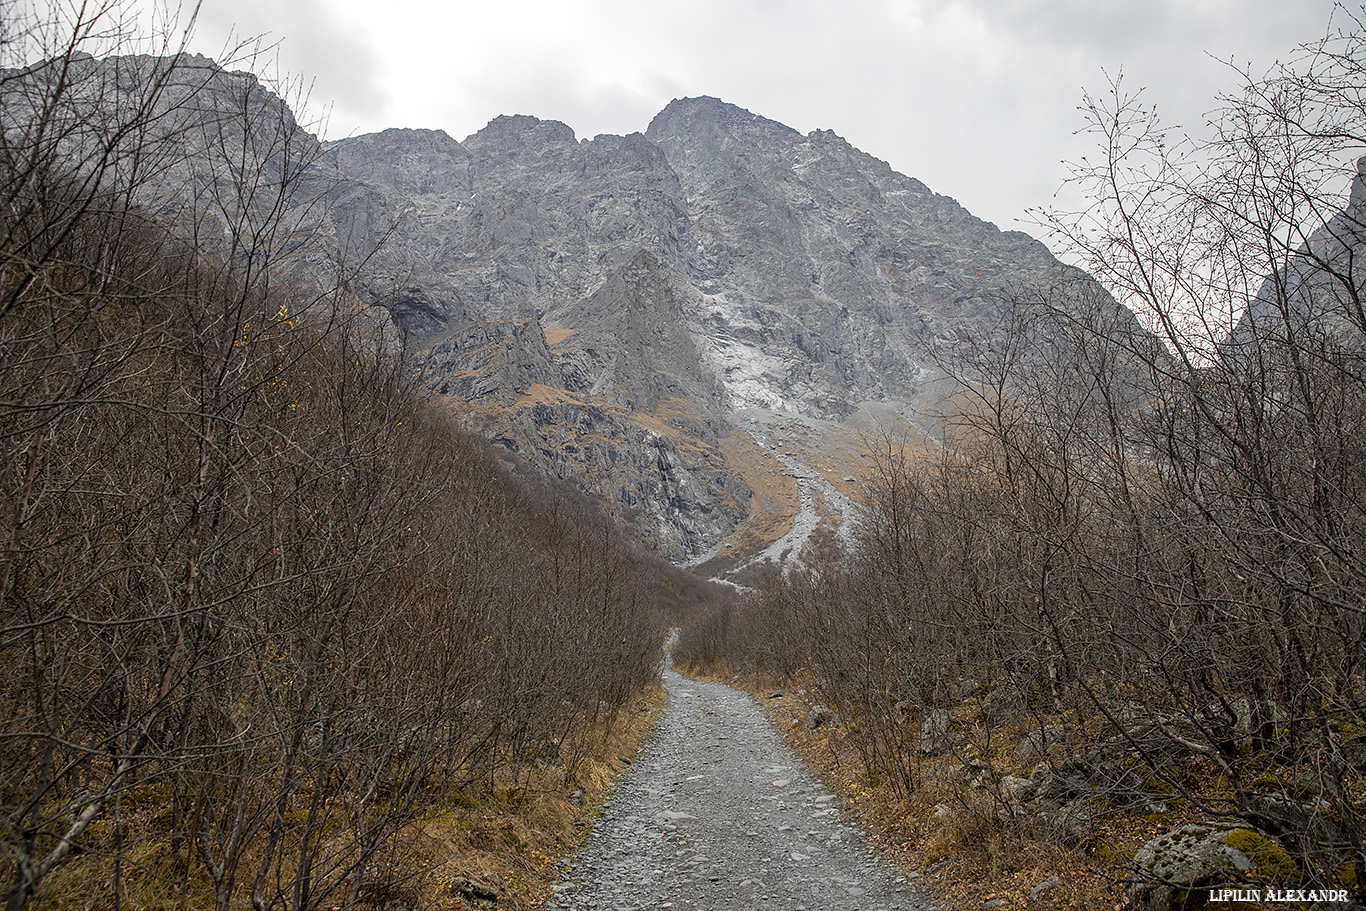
{"points": [[515, 835], [773, 507], [556, 334]]}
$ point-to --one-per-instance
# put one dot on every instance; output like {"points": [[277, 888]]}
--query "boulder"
{"points": [[1062, 781], [1303, 824], [1016, 788], [1240, 717], [464, 887], [1036, 744], [1354, 752], [818, 716], [544, 750], [936, 733], [1152, 740], [964, 688], [1173, 865], [1043, 887], [1075, 821]]}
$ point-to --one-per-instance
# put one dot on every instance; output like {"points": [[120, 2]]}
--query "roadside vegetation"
{"points": [[1130, 595], [275, 633]]}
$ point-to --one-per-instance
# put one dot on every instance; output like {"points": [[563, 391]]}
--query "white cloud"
{"points": [[978, 98]]}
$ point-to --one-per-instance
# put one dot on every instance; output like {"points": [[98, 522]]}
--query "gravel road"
{"points": [[717, 813]]}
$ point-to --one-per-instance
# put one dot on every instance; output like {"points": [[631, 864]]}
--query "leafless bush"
{"points": [[246, 567], [1156, 534]]}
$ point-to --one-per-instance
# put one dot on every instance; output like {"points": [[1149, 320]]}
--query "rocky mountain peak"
{"points": [[412, 162], [699, 285], [1308, 287], [685, 118], [510, 133], [663, 316]]}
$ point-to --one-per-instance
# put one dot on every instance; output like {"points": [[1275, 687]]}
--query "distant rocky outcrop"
{"points": [[720, 263], [1317, 290], [688, 297]]}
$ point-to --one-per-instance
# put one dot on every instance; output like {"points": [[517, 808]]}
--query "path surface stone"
{"points": [[718, 814]]}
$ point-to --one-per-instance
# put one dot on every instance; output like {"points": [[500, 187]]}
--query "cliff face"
{"points": [[716, 284], [810, 275], [1316, 289], [821, 263], [518, 220], [694, 323]]}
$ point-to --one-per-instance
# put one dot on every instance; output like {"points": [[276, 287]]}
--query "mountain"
{"points": [[1315, 290], [698, 323]]}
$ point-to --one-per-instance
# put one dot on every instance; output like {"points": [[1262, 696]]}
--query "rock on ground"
{"points": [[1200, 856]]}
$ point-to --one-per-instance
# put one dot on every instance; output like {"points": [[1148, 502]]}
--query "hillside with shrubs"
{"points": [[267, 616], [1126, 601]]}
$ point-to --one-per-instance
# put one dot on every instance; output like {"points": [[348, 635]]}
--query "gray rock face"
{"points": [[633, 345], [721, 260], [824, 264], [718, 263], [496, 360], [1315, 291], [681, 492], [518, 220], [408, 162]]}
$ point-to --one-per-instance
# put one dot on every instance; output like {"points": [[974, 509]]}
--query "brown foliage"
{"points": [[1152, 539], [244, 563]]}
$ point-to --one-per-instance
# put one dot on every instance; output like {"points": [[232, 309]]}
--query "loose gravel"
{"points": [[717, 813]]}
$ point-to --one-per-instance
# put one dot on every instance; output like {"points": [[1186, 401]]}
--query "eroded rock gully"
{"points": [[717, 813]]}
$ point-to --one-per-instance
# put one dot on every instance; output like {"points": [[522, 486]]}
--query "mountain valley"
{"points": [[700, 325], [696, 324]]}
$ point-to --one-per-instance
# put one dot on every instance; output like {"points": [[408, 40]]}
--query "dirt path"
{"points": [[717, 813]]}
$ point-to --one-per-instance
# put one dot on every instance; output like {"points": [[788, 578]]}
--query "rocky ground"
{"points": [[717, 813]]}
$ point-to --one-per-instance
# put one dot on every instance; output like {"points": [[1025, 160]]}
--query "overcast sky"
{"points": [[977, 98]]}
